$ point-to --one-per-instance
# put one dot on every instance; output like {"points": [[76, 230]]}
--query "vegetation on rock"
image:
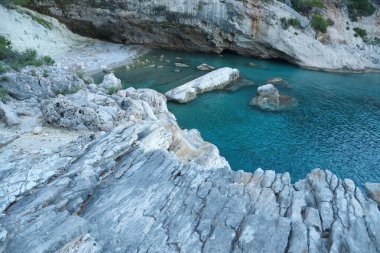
{"points": [[286, 23], [18, 2], [319, 23], [361, 33], [359, 8], [3, 94], [304, 6], [18, 60], [40, 21], [112, 90]]}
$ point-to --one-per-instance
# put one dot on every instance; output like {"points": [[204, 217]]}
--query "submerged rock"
{"points": [[275, 80], [181, 65], [215, 80], [268, 98], [205, 67]]}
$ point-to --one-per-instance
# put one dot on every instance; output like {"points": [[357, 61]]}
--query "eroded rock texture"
{"points": [[148, 186]]}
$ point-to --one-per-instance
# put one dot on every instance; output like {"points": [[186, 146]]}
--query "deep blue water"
{"points": [[335, 126]]}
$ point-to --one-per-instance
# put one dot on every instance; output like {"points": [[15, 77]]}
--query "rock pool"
{"points": [[335, 126]]}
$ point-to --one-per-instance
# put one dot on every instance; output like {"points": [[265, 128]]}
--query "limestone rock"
{"points": [[23, 86], [83, 110], [144, 184], [41, 83], [8, 115], [269, 98], [215, 80], [110, 81], [373, 190], [37, 130]]}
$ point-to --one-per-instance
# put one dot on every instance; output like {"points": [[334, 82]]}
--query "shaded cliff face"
{"points": [[250, 28]]}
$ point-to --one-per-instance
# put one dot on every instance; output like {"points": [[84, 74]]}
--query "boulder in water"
{"points": [[181, 65], [268, 98], [215, 80], [275, 80], [205, 67]]}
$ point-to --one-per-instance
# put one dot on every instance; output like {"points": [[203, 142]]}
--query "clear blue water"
{"points": [[335, 126]]}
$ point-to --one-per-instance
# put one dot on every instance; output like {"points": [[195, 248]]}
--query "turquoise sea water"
{"points": [[335, 126]]}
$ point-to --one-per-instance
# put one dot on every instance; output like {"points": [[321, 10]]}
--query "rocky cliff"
{"points": [[145, 185], [267, 29]]}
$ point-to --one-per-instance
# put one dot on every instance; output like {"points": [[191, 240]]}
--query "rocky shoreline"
{"points": [[130, 179], [96, 168]]}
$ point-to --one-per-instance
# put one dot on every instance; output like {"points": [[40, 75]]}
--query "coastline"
{"points": [[94, 171], [145, 181]]}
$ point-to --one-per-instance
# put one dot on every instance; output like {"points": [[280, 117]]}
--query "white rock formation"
{"points": [[110, 81], [268, 98], [215, 80], [148, 186]]}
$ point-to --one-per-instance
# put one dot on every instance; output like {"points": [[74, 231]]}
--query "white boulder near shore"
{"points": [[215, 80]]}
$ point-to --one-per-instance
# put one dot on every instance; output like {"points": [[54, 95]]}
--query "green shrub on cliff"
{"points": [[361, 33], [2, 69], [359, 8], [40, 21], [18, 2], [17, 60], [3, 94], [5, 48], [304, 6], [286, 23], [29, 58], [319, 23]]}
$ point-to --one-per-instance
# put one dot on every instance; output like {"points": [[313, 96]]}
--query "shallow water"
{"points": [[335, 126]]}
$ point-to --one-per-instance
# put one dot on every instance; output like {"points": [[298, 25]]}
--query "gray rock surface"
{"points": [[268, 98], [215, 80], [148, 186], [40, 83], [373, 190], [8, 115], [252, 28], [110, 82]]}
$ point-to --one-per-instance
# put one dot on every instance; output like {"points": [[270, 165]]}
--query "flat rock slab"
{"points": [[215, 80]]}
